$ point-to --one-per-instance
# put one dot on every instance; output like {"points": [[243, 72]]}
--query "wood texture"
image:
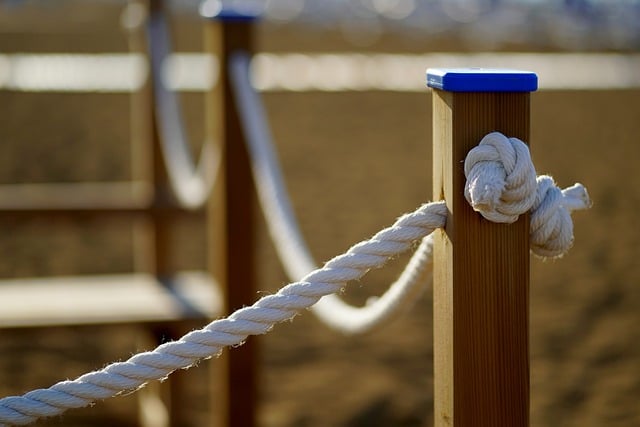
{"points": [[481, 275]]}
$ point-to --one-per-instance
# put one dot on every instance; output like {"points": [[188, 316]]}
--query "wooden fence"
{"points": [[481, 268]]}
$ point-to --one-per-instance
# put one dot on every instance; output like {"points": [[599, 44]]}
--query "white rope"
{"points": [[502, 184], [208, 342], [285, 232], [190, 185]]}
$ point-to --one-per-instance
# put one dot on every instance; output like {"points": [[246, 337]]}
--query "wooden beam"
{"points": [[108, 299], [231, 217], [90, 198], [481, 269], [175, 391]]}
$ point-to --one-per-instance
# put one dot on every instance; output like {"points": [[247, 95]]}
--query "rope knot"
{"points": [[502, 184], [551, 224], [501, 179]]}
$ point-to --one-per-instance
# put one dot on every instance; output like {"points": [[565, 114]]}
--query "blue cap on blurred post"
{"points": [[481, 80], [235, 11]]}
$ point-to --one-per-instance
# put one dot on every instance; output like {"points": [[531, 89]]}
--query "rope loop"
{"points": [[190, 183], [501, 178]]}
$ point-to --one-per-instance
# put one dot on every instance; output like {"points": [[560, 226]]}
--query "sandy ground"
{"points": [[353, 163]]}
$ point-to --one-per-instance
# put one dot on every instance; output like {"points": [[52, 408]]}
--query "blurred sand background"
{"points": [[353, 163]]}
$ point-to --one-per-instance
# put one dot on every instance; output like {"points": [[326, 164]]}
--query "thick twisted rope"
{"points": [[190, 185], [290, 244], [209, 341], [550, 208]]}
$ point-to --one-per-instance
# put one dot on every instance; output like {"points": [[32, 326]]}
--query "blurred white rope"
{"points": [[190, 185], [209, 341], [285, 231]]}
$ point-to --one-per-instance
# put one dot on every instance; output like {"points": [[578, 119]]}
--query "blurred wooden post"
{"points": [[231, 216], [133, 20], [158, 402], [481, 269]]}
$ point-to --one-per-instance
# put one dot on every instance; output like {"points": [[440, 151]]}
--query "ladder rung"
{"points": [[87, 198], [107, 299]]}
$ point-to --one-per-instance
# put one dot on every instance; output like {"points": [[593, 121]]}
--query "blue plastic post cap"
{"points": [[219, 10], [481, 80]]}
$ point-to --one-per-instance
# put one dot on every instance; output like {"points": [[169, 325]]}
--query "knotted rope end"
{"points": [[576, 198], [551, 223]]}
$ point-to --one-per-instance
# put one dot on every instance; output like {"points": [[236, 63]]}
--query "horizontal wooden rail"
{"points": [[108, 299], [81, 195], [88, 199]]}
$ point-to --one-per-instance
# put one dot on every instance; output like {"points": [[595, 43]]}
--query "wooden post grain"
{"points": [[481, 269], [231, 218]]}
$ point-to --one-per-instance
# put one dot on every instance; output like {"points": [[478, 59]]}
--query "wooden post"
{"points": [[149, 243], [231, 216], [174, 391], [481, 269], [133, 20]]}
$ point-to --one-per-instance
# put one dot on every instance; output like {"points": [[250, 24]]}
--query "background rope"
{"points": [[285, 232], [190, 186], [209, 341]]}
